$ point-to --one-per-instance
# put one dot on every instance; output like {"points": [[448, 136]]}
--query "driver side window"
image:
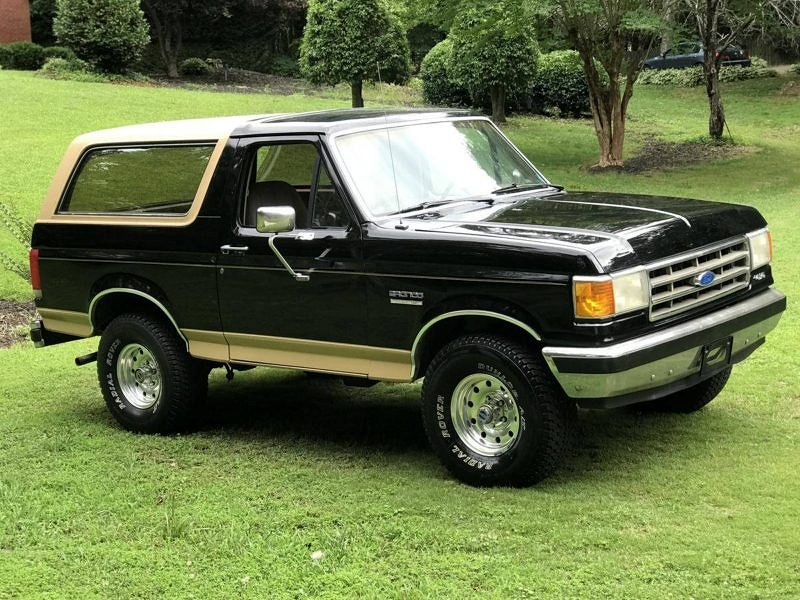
{"points": [[293, 174]]}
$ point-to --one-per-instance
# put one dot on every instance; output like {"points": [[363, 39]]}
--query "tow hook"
{"points": [[85, 359]]}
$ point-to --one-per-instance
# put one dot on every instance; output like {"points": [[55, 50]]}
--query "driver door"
{"points": [[268, 317]]}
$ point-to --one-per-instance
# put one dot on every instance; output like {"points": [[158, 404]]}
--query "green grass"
{"points": [[653, 506]]}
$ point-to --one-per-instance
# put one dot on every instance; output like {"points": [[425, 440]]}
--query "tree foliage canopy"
{"points": [[110, 34], [347, 40], [494, 48]]}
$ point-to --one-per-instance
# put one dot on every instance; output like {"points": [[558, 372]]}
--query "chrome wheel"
{"points": [[139, 376], [485, 414]]}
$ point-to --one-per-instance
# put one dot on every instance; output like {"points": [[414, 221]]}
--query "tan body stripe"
{"points": [[67, 321], [385, 364]]}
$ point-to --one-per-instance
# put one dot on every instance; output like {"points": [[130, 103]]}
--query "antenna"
{"points": [[391, 153]]}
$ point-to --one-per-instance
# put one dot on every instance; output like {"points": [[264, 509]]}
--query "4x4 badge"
{"points": [[406, 297]]}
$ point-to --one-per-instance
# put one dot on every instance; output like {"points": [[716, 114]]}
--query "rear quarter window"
{"points": [[140, 180]]}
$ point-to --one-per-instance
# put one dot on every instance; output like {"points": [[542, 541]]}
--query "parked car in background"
{"points": [[690, 54]]}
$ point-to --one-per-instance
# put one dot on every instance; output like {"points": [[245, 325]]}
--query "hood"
{"points": [[620, 230]]}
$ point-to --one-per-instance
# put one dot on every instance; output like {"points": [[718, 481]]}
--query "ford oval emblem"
{"points": [[704, 279]]}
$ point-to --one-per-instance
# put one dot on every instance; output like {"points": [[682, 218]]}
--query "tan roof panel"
{"points": [[186, 130]]}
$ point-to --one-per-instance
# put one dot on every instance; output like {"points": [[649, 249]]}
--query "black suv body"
{"points": [[391, 247]]}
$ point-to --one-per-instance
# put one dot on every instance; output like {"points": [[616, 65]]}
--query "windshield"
{"points": [[433, 163]]}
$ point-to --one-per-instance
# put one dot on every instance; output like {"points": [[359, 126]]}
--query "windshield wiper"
{"points": [[435, 203], [516, 187]]}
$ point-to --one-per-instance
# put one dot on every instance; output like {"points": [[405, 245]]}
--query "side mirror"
{"points": [[275, 219], [278, 219]]}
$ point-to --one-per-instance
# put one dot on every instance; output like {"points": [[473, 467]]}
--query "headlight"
{"points": [[760, 248], [610, 295]]}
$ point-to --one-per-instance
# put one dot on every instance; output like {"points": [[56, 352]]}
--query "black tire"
{"points": [[183, 381], [694, 398], [545, 415]]}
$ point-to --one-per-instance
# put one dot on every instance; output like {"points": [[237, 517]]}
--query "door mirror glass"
{"points": [[275, 219]]}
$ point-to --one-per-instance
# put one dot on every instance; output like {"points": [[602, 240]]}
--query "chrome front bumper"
{"points": [[657, 364]]}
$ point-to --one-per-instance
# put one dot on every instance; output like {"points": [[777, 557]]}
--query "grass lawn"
{"points": [[650, 506]]}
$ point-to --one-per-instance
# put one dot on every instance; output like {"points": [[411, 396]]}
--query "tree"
{"points": [[42, 14], [350, 41], [778, 24], [110, 34], [168, 21], [494, 51], [718, 24], [613, 37]]}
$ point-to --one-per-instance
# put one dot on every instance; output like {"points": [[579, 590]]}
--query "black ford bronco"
{"points": [[392, 246]]}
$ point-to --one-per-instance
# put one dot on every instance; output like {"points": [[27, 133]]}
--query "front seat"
{"points": [[275, 193]]}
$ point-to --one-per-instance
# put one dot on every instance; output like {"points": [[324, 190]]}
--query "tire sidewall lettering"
{"points": [[110, 377], [446, 433]]}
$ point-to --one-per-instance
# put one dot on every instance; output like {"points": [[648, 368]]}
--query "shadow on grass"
{"points": [[311, 411]]}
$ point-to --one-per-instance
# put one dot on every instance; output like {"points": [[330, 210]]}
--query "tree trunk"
{"points": [[669, 18], [608, 113], [498, 95], [356, 89], [171, 62], [169, 35], [716, 115]]}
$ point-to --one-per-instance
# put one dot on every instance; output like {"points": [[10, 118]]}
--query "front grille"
{"points": [[672, 282]]}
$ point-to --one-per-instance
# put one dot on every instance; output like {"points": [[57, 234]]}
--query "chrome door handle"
{"points": [[228, 249]]}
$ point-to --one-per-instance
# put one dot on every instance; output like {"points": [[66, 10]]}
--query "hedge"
{"points": [[439, 86], [23, 56], [559, 86]]}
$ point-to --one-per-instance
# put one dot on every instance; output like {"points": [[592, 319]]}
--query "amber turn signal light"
{"points": [[594, 299]]}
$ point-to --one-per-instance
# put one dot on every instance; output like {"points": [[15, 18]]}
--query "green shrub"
{"points": [[694, 76], [757, 61], [439, 86], [195, 67], [284, 66], [690, 77], [21, 230], [109, 34], [559, 85], [23, 56], [795, 69], [59, 52], [742, 73], [70, 70]]}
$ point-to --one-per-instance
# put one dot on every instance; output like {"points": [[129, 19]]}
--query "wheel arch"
{"points": [[110, 302], [447, 326]]}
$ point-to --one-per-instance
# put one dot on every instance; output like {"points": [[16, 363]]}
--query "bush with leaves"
{"points": [[795, 69], [559, 86], [349, 41], [59, 52], [71, 70], [21, 231], [195, 67], [284, 66], [109, 34], [742, 73], [439, 86], [494, 52], [22, 56], [689, 77], [693, 76]]}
